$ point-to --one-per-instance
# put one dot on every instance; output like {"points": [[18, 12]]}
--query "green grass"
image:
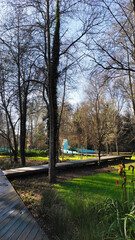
{"points": [[66, 158], [46, 159], [95, 217], [79, 211], [95, 188], [4, 156], [74, 157]]}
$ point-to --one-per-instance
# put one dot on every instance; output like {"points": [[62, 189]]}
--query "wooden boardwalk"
{"points": [[44, 168], [16, 222]]}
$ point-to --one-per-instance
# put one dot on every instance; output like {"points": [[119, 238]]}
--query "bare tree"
{"points": [[16, 40], [115, 45], [55, 44], [99, 110], [8, 130]]}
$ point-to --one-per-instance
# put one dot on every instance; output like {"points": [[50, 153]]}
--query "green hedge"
{"points": [[36, 153]]}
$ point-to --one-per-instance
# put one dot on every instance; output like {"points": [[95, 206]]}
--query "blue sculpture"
{"points": [[66, 149]]}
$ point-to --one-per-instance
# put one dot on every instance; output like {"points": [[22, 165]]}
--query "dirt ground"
{"points": [[87, 170], [77, 172]]}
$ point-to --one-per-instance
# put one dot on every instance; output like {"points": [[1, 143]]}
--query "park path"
{"points": [[16, 222], [44, 168]]}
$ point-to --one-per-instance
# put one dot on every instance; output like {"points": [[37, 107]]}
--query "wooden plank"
{"points": [[32, 234], [13, 229], [9, 200], [18, 232], [16, 222], [25, 170], [12, 226], [27, 229], [25, 234], [38, 236], [7, 214]]}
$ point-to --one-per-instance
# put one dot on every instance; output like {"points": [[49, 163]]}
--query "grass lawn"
{"points": [[80, 209], [95, 188]]}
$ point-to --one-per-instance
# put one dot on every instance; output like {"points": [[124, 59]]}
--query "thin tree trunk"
{"points": [[52, 175], [22, 144], [117, 147], [99, 155], [15, 149], [107, 149], [23, 129]]}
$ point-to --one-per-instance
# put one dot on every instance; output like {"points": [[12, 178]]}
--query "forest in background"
{"points": [[50, 48]]}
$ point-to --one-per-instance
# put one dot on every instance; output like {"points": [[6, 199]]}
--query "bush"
{"points": [[121, 218], [36, 153]]}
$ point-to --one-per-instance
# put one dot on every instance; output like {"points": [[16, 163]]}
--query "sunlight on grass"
{"points": [[75, 157], [5, 156], [38, 158], [65, 158], [98, 199], [95, 188]]}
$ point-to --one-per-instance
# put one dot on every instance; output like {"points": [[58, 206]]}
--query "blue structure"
{"points": [[4, 149], [66, 149], [85, 150]]}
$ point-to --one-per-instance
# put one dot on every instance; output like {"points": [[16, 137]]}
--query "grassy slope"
{"points": [[96, 188], [85, 196]]}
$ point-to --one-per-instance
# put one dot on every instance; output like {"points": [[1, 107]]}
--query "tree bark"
{"points": [[53, 80]]}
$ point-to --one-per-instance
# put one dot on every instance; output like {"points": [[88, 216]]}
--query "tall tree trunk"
{"points": [[22, 142], [52, 92], [22, 95], [53, 79], [134, 27], [132, 97], [22, 130], [23, 127]]}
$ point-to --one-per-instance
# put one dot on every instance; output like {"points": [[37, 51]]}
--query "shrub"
{"points": [[36, 153], [121, 218]]}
